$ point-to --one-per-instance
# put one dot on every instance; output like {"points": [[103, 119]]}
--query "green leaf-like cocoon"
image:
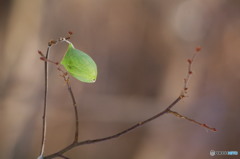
{"points": [[79, 65]]}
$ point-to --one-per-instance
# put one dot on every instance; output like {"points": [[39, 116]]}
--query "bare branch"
{"points": [[133, 127], [45, 102], [117, 134]]}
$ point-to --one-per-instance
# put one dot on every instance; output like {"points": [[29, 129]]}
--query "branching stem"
{"points": [[65, 76], [75, 142], [71, 146]]}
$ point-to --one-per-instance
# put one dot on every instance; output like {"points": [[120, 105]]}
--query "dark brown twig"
{"points": [[45, 101], [64, 157], [75, 110], [66, 79]]}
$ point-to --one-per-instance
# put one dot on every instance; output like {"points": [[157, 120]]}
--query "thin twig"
{"points": [[189, 71], [67, 80], [75, 110], [44, 128], [192, 120]]}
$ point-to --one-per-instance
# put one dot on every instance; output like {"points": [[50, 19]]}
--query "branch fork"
{"points": [[77, 143]]}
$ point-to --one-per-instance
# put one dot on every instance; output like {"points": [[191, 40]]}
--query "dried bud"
{"points": [[198, 49], [53, 41], [40, 53], [43, 58]]}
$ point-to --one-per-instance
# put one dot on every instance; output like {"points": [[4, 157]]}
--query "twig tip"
{"points": [[198, 49]]}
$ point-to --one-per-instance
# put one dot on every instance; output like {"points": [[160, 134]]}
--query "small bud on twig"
{"points": [[189, 61], [198, 49], [43, 58], [40, 53]]}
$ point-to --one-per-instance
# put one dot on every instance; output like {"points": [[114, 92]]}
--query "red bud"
{"points": [[198, 49]]}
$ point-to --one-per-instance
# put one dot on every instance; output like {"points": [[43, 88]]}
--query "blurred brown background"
{"points": [[140, 47]]}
